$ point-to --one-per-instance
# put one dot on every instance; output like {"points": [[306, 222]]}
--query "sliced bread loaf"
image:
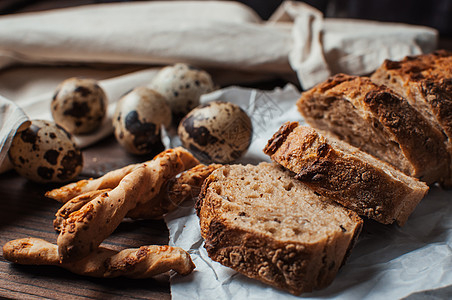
{"points": [[342, 172], [426, 82], [262, 222], [378, 121]]}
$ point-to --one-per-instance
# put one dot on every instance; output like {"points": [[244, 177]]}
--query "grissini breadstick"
{"points": [[173, 193], [108, 181], [143, 262], [31, 251], [83, 230], [74, 205], [111, 179]]}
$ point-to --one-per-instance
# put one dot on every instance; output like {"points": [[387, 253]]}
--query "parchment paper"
{"points": [[388, 262]]}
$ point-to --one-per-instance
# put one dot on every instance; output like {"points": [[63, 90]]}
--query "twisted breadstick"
{"points": [[108, 181], [73, 205], [83, 230], [173, 193], [144, 262], [111, 179]]}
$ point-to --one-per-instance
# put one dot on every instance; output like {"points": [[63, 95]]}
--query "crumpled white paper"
{"points": [[388, 262]]}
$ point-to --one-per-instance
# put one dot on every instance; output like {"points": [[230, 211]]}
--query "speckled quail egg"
{"points": [[182, 86], [138, 119], [218, 132], [45, 152], [79, 105]]}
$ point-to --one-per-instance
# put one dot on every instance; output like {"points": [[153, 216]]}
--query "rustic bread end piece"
{"points": [[426, 82], [265, 224], [345, 174], [379, 122]]}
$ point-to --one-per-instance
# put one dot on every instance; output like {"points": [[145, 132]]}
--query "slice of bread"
{"points": [[262, 222], [426, 82], [345, 174], [378, 121]]}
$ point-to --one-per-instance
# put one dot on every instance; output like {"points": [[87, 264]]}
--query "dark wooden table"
{"points": [[26, 212]]}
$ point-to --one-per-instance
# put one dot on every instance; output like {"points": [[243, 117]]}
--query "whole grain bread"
{"points": [[380, 122], [265, 224], [426, 82], [345, 174]]}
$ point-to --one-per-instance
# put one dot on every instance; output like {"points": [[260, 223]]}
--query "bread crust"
{"points": [[352, 182], [294, 266], [435, 65], [420, 146]]}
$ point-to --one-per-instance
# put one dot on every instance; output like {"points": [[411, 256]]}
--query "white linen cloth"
{"points": [[220, 34], [13, 118]]}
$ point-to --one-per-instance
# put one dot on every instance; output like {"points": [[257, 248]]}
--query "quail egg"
{"points": [[79, 105], [138, 119], [45, 152], [182, 86], [218, 132]]}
